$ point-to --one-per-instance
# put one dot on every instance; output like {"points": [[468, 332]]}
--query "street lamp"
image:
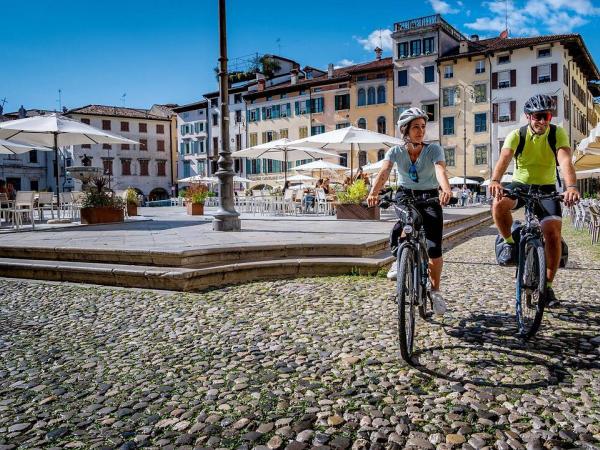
{"points": [[226, 218]]}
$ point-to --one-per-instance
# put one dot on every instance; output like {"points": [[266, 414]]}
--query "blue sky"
{"points": [[165, 52]]}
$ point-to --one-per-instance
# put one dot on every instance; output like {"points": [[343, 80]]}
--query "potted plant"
{"points": [[131, 199], [350, 203], [101, 206], [195, 196]]}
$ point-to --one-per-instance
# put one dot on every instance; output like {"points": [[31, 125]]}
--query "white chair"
{"points": [[45, 203], [6, 209], [23, 208], [321, 203]]}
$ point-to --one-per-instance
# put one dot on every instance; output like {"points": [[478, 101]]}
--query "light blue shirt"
{"points": [[425, 165]]}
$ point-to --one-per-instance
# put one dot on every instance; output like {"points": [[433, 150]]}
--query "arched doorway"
{"points": [[381, 125], [158, 194]]}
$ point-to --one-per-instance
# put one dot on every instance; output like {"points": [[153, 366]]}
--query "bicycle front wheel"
{"points": [[531, 287], [408, 298]]}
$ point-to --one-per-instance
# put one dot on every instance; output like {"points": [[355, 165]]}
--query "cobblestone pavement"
{"points": [[298, 364]]}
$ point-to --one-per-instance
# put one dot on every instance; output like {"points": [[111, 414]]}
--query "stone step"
{"points": [[217, 274]]}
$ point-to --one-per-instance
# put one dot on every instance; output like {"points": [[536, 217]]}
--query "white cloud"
{"points": [[532, 17], [344, 63], [378, 38], [442, 7]]}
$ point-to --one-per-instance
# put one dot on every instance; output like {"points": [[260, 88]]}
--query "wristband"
{"points": [[572, 186], [497, 181]]}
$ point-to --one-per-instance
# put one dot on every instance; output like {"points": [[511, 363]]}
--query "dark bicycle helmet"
{"points": [[539, 103]]}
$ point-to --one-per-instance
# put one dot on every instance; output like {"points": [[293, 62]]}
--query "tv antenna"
{"points": [[59, 100], [123, 98], [278, 41]]}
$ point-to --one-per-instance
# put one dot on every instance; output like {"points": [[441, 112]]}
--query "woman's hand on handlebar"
{"points": [[373, 199], [445, 197]]}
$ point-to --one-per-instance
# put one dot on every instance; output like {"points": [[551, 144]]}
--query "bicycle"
{"points": [[412, 283], [530, 283]]}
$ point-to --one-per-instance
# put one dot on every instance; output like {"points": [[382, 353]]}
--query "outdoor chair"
{"points": [[289, 202], [321, 203], [6, 209], [23, 208], [46, 203], [594, 225]]}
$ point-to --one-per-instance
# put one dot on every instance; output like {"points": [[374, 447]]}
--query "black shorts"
{"points": [[548, 209], [433, 224]]}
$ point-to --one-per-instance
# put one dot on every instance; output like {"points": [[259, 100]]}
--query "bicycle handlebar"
{"points": [[525, 195]]}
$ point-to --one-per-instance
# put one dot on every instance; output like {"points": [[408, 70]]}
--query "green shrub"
{"points": [[356, 193]]}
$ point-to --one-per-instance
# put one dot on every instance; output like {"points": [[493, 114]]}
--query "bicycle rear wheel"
{"points": [[408, 298], [531, 287]]}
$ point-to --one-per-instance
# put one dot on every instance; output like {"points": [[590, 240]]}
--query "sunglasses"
{"points": [[412, 173], [542, 116]]}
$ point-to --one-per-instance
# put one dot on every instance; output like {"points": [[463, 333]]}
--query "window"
{"points": [[362, 158], [268, 136], [504, 112], [282, 96], [480, 91], [317, 129], [86, 121], [430, 110], [106, 147], [34, 185], [143, 128], [302, 132], [448, 96], [124, 126], [161, 168], [108, 166], [253, 137], [381, 125], [283, 133], [362, 123], [381, 94], [253, 115], [214, 103], [415, 47], [125, 167], [362, 97], [343, 159], [481, 155], [215, 120], [504, 59], [143, 144], [238, 116], [428, 47], [450, 155], [160, 128], [480, 66], [186, 169], [448, 71], [317, 105], [106, 124], [302, 107], [448, 128], [160, 146], [33, 156], [402, 78], [144, 167], [380, 155], [544, 53], [403, 50], [124, 146], [86, 146], [504, 79], [342, 102], [429, 74], [480, 120], [371, 96], [237, 98], [543, 73], [341, 125]]}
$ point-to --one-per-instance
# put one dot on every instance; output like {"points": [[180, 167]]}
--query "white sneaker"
{"points": [[393, 272], [439, 305]]}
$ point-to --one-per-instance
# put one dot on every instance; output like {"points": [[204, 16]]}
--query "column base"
{"points": [[227, 223]]}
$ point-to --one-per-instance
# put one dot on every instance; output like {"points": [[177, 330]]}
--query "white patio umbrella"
{"points": [[57, 131], [198, 179], [296, 178], [281, 150], [17, 148], [348, 139], [319, 165], [462, 180], [506, 178]]}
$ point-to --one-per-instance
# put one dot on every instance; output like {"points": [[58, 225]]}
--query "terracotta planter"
{"points": [[356, 212], [101, 214], [132, 209], [195, 209]]}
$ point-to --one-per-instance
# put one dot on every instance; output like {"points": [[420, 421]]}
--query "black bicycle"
{"points": [[531, 262], [413, 288]]}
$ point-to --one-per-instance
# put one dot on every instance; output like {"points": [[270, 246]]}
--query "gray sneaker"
{"points": [[438, 303], [393, 272]]}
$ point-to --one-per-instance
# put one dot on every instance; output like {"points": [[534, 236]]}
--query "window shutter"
{"points": [[288, 108], [495, 80], [534, 75], [495, 112], [297, 108], [264, 137], [513, 78], [513, 110], [554, 72], [308, 109]]}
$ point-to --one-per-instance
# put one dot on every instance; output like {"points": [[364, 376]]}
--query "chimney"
{"points": [[378, 52], [330, 71], [294, 76], [464, 47], [475, 37], [22, 112], [261, 84]]}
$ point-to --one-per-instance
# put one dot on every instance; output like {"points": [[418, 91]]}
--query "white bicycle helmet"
{"points": [[409, 115]]}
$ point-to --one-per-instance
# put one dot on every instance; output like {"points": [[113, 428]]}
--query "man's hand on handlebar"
{"points": [[571, 196]]}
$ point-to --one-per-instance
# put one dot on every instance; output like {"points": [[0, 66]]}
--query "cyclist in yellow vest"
{"points": [[535, 166]]}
